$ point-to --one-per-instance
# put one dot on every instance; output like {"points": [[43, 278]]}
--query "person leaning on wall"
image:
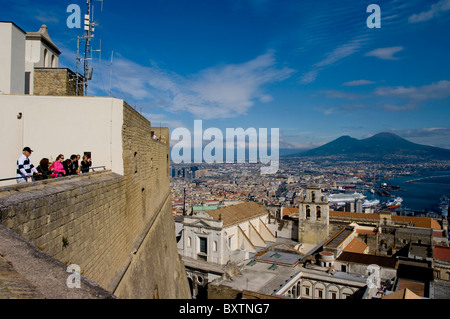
{"points": [[25, 167], [57, 167], [85, 164], [44, 169]]}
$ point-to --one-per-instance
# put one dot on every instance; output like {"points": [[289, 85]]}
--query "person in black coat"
{"points": [[43, 168], [85, 164]]}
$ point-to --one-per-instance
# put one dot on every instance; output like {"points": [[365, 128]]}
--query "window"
{"points": [[313, 197], [203, 245], [308, 212], [229, 242], [318, 213], [45, 58], [320, 294], [344, 268], [189, 242], [333, 295], [215, 246], [437, 274]]}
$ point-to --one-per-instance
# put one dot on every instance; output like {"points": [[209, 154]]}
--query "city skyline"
{"points": [[314, 70]]}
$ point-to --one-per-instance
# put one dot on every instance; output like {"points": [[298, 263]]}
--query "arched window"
{"points": [[313, 196], [45, 58], [53, 65], [308, 212], [318, 213]]}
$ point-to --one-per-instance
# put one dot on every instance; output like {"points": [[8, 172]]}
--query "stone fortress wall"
{"points": [[117, 227]]}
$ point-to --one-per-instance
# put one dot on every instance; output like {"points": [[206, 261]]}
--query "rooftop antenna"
{"points": [[110, 72], [88, 35]]}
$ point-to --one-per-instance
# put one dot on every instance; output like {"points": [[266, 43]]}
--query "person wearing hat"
{"points": [[24, 166]]}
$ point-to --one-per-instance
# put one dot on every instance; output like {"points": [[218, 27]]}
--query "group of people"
{"points": [[60, 167]]}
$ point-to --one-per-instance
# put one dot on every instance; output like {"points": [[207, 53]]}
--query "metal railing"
{"points": [[33, 176]]}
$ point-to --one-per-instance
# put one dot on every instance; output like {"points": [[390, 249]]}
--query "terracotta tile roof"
{"points": [[356, 246], [365, 231], [425, 222], [289, 210], [416, 287], [402, 294], [442, 253], [235, 214]]}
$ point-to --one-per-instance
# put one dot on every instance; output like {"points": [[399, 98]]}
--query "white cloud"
{"points": [[385, 53], [309, 77], [358, 83], [340, 94], [438, 90], [435, 10], [341, 52], [222, 91], [399, 108]]}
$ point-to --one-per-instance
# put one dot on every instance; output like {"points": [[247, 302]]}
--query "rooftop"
{"points": [[423, 222], [260, 277], [43, 35], [366, 259], [337, 239], [442, 253], [402, 294], [356, 246], [278, 257], [238, 213]]}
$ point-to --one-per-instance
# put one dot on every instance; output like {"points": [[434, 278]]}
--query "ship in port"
{"points": [[370, 203], [341, 198], [395, 203], [443, 205]]}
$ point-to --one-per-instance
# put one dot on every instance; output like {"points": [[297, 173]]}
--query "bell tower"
{"points": [[313, 215]]}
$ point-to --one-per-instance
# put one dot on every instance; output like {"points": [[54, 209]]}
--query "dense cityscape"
{"points": [[221, 184], [351, 204]]}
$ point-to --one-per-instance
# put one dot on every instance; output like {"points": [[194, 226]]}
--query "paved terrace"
{"points": [[28, 273]]}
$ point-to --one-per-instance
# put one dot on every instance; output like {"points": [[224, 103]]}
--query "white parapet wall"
{"points": [[52, 125]]}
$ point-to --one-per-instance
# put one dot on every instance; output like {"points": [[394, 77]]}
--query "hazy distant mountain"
{"points": [[379, 145]]}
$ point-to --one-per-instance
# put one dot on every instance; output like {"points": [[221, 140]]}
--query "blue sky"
{"points": [[313, 69]]}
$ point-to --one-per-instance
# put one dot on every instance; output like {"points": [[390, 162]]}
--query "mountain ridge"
{"points": [[384, 144]]}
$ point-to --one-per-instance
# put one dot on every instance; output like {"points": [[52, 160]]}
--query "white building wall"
{"points": [[53, 125], [35, 57], [12, 59], [224, 244]]}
